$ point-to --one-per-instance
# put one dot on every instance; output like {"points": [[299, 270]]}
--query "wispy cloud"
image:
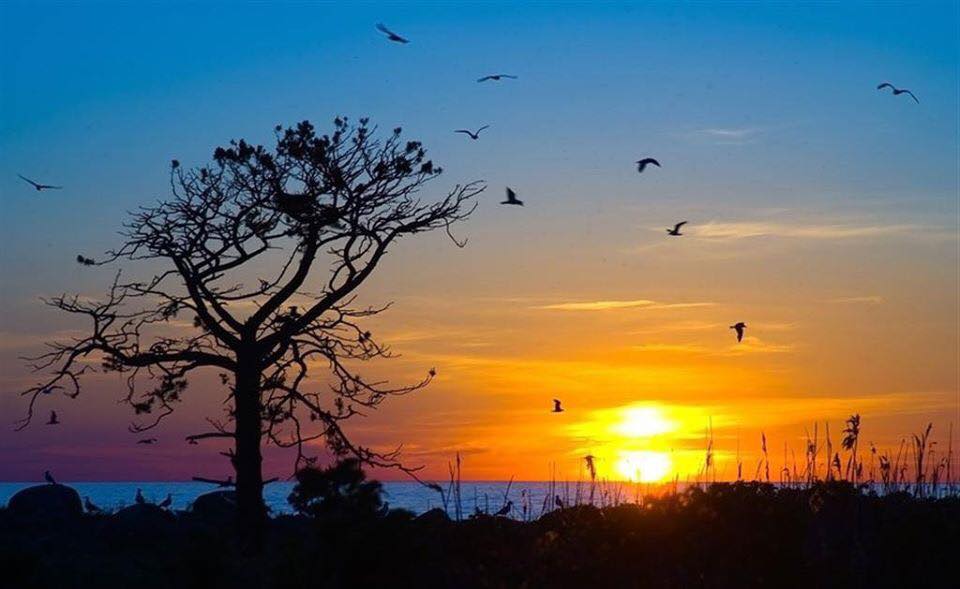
{"points": [[743, 230], [611, 305], [754, 345], [670, 348], [864, 300], [727, 135]]}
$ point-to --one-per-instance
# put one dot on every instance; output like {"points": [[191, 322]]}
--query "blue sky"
{"points": [[764, 116]]}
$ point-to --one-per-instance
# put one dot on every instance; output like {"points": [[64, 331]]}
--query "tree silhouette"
{"points": [[316, 202]]}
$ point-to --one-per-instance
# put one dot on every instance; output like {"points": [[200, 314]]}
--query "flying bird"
{"points": [[390, 34], [739, 327], [642, 164], [511, 198], [676, 228], [85, 261], [49, 477], [473, 134], [139, 498], [898, 91], [54, 420], [90, 507], [505, 509], [556, 406], [147, 441], [497, 77], [39, 186], [167, 502]]}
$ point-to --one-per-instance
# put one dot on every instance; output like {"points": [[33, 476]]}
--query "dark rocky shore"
{"points": [[727, 535]]}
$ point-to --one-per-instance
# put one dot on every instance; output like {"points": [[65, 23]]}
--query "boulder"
{"points": [[48, 502], [143, 522], [218, 506], [435, 516]]}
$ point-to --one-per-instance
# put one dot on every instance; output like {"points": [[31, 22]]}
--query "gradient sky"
{"points": [[822, 212]]}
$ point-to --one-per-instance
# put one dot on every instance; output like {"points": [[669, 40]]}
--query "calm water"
{"points": [[487, 496]]}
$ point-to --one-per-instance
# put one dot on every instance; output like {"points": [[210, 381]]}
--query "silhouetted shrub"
{"points": [[338, 491]]}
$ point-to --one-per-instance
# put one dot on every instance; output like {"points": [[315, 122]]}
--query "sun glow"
{"points": [[642, 422], [643, 466]]}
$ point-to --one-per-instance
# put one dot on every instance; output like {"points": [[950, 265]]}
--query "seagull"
{"points": [[49, 477], [167, 502], [54, 420], [475, 134], [497, 77], [505, 509], [739, 327], [90, 507], [642, 164], [390, 34], [85, 261], [147, 441], [556, 406], [39, 186], [511, 198], [557, 501], [898, 91], [139, 498], [676, 228]]}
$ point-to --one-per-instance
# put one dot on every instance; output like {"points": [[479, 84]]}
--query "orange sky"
{"points": [[828, 224]]}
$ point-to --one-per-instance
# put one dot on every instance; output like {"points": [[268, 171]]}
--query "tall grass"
{"points": [[917, 468]]}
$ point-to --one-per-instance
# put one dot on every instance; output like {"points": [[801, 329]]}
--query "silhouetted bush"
{"points": [[337, 491]]}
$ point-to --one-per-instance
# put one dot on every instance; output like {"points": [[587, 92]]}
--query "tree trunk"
{"points": [[251, 511]]}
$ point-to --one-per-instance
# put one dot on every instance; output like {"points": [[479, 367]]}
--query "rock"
{"points": [[433, 517], [48, 502], [144, 514], [142, 522], [218, 506]]}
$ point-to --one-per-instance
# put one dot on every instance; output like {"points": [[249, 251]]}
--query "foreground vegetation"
{"points": [[828, 534]]}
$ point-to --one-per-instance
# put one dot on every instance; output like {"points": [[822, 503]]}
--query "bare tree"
{"points": [[319, 212]]}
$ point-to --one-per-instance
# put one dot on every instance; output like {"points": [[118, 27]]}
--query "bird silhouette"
{"points": [[497, 77], [85, 261], [676, 228], [167, 502], [505, 509], [49, 477], [390, 34], [898, 91], [139, 498], [739, 327], [512, 198], [473, 134], [39, 186], [558, 501], [642, 164], [54, 420], [147, 441], [556, 406], [90, 507]]}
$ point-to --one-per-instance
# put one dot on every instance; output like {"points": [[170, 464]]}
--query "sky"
{"points": [[822, 212]]}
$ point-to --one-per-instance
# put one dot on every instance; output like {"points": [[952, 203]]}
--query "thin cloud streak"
{"points": [[866, 300], [744, 230], [612, 305]]}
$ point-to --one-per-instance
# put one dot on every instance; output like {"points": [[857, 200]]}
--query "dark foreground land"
{"points": [[727, 535]]}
